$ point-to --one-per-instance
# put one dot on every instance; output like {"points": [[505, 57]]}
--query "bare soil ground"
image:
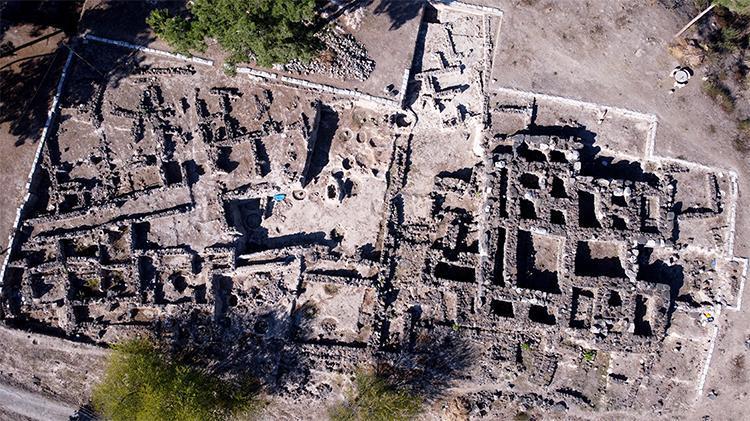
{"points": [[61, 370], [21, 405]]}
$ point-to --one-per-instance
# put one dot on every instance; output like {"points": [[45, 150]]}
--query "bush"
{"points": [[737, 6], [375, 399], [93, 284], [720, 94], [740, 141], [273, 31], [730, 39], [589, 355], [141, 383]]}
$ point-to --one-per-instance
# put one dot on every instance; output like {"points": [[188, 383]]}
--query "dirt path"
{"points": [[16, 403], [47, 366]]}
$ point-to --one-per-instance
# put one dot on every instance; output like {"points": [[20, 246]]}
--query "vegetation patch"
{"points": [[737, 6], [374, 398], [268, 31], [142, 383], [720, 94]]}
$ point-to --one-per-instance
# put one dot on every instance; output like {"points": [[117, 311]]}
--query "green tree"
{"points": [[176, 31], [142, 383], [373, 398], [271, 31]]}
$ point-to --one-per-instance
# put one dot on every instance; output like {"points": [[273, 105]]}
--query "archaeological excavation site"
{"points": [[515, 252]]}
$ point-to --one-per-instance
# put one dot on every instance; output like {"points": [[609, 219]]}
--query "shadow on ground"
{"points": [[398, 11], [268, 346], [41, 15], [429, 368], [28, 80], [29, 70], [26, 87]]}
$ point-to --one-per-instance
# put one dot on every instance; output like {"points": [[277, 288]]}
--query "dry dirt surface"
{"points": [[45, 377], [542, 232]]}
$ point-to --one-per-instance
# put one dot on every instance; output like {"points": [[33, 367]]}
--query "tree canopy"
{"points": [[141, 383], [271, 31]]}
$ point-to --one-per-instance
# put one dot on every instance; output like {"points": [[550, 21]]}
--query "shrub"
{"points": [[737, 6], [719, 93], [93, 284], [589, 355], [273, 31], [740, 141], [373, 398], [740, 144], [730, 39], [142, 383]]}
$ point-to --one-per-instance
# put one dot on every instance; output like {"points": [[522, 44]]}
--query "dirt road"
{"points": [[19, 404]]}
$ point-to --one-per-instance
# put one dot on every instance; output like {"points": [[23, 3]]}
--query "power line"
{"points": [[41, 83], [84, 60]]}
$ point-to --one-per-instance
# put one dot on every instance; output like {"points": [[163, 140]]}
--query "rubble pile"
{"points": [[343, 58]]}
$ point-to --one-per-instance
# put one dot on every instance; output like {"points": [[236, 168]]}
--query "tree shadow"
{"points": [[105, 19], [27, 84], [28, 79], [26, 87], [399, 11], [40, 15], [256, 345], [434, 361], [99, 65], [269, 346], [94, 68]]}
